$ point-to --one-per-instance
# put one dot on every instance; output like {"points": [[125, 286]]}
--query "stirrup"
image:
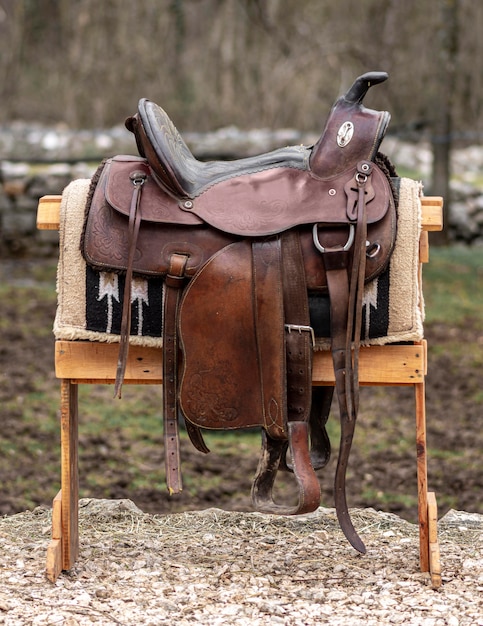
{"points": [[308, 483]]}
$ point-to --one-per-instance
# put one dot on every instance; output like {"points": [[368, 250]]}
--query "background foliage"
{"points": [[246, 62]]}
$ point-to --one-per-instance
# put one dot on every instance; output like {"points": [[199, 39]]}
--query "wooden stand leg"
{"points": [[64, 547], [427, 508], [422, 469], [434, 561], [54, 551]]}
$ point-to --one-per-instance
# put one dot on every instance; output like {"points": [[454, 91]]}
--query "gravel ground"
{"points": [[227, 568]]}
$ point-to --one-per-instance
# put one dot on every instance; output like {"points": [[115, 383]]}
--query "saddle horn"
{"points": [[361, 85], [352, 132]]}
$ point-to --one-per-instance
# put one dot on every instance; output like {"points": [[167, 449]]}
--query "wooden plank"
{"points": [[434, 554], [95, 362], [422, 476], [424, 247], [54, 549], [378, 365], [54, 560], [432, 517], [48, 213], [435, 565], [69, 473], [57, 516], [432, 212]]}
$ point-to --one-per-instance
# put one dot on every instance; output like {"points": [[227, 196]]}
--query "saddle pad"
{"points": [[89, 303]]}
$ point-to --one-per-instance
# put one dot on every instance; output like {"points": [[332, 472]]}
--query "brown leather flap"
{"points": [[233, 374], [156, 205], [105, 244], [253, 205], [276, 200]]}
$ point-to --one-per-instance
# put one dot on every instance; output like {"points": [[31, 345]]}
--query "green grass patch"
{"points": [[453, 285], [121, 441]]}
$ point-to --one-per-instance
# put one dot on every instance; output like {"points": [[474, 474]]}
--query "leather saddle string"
{"points": [[138, 180]]}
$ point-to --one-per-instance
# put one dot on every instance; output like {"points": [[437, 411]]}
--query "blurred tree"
{"points": [[446, 52], [272, 63]]}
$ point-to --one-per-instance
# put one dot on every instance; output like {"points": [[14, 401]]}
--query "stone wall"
{"points": [[25, 181], [22, 186]]}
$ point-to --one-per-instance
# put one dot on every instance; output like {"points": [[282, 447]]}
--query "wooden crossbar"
{"points": [[96, 362]]}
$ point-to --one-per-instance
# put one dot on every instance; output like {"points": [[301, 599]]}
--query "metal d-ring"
{"points": [[372, 249], [347, 246]]}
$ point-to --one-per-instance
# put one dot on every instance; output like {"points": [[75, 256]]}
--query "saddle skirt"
{"points": [[240, 245], [318, 208]]}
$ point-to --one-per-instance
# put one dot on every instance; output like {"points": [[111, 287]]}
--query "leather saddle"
{"points": [[241, 245]]}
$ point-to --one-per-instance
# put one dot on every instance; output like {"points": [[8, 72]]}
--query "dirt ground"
{"points": [[382, 466], [225, 568]]}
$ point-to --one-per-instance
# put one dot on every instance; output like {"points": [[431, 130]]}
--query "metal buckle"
{"points": [[299, 328], [347, 246]]}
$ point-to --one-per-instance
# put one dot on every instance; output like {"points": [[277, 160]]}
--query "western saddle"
{"points": [[242, 247]]}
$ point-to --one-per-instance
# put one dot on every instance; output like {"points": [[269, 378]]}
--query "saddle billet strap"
{"points": [[138, 179], [299, 339], [298, 342], [174, 282], [345, 302]]}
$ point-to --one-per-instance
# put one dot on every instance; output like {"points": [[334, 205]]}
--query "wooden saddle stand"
{"points": [[244, 249]]}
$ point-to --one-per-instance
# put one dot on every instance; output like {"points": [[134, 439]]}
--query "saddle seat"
{"points": [[176, 168]]}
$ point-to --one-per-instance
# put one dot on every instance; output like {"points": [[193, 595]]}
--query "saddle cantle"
{"points": [[240, 245]]}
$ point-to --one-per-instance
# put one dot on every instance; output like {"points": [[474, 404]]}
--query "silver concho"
{"points": [[344, 134]]}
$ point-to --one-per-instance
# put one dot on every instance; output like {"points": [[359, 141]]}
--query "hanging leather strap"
{"points": [[338, 284], [267, 298], [356, 293], [174, 282], [138, 179], [346, 318]]}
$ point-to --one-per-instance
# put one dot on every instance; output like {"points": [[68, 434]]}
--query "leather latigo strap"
{"points": [[345, 282]]}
